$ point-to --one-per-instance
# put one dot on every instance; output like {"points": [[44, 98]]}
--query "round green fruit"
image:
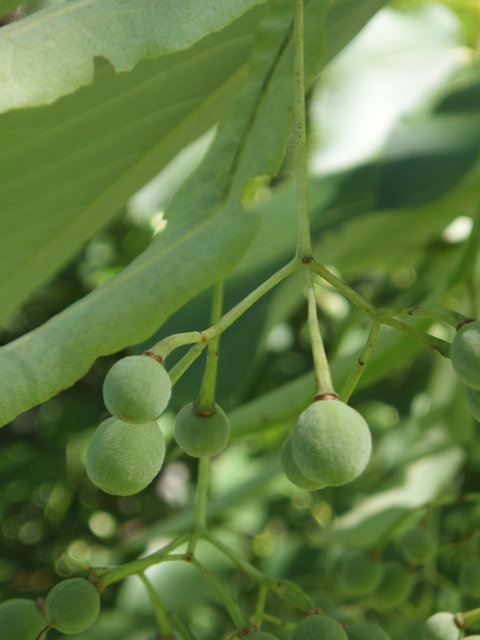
{"points": [[331, 443], [366, 632], [395, 586], [316, 626], [20, 620], [441, 626], [473, 401], [292, 470], [469, 578], [417, 546], [72, 605], [122, 458], [465, 354], [359, 574], [137, 389], [202, 436]]}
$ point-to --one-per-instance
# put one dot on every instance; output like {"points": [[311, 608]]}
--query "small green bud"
{"points": [[316, 626], [417, 546], [441, 626], [366, 632], [359, 574]]}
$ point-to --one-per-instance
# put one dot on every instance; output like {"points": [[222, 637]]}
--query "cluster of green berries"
{"points": [[389, 584], [316, 626], [72, 606], [465, 356], [329, 445], [126, 451]]}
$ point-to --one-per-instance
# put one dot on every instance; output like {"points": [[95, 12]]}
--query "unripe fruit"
{"points": [[202, 436], [395, 586], [316, 626], [137, 389], [122, 458], [441, 626], [366, 632], [292, 471], [20, 620], [465, 354], [417, 546], [72, 605], [469, 578], [359, 574], [473, 401], [331, 443]]}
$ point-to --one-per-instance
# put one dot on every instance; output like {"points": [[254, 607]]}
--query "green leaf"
{"points": [[366, 524], [206, 235], [51, 53], [68, 168]]}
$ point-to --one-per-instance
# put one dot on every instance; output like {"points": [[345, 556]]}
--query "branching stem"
{"points": [[167, 345]]}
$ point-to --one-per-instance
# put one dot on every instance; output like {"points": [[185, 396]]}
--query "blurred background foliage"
{"points": [[395, 193]]}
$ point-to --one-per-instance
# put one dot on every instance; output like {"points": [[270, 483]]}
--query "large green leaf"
{"points": [[67, 169], [51, 53], [207, 233]]}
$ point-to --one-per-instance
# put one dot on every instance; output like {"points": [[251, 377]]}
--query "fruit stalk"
{"points": [[158, 608], [236, 614], [206, 397], [304, 247], [323, 378], [357, 372]]}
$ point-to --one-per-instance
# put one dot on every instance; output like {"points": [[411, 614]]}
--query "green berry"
{"points": [[465, 354], [359, 574], [417, 546], [316, 626], [331, 443], [137, 389], [473, 401], [20, 620], [122, 458], [366, 632], [395, 586], [72, 605], [292, 471], [441, 626], [202, 436], [469, 578]]}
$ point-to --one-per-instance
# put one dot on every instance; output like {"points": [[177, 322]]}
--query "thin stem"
{"points": [[183, 364], [206, 397], [442, 346], [160, 612], [137, 566], [200, 503], [452, 318], [179, 627], [304, 247], [323, 377], [237, 615], [167, 345], [260, 606], [245, 566], [360, 367]]}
